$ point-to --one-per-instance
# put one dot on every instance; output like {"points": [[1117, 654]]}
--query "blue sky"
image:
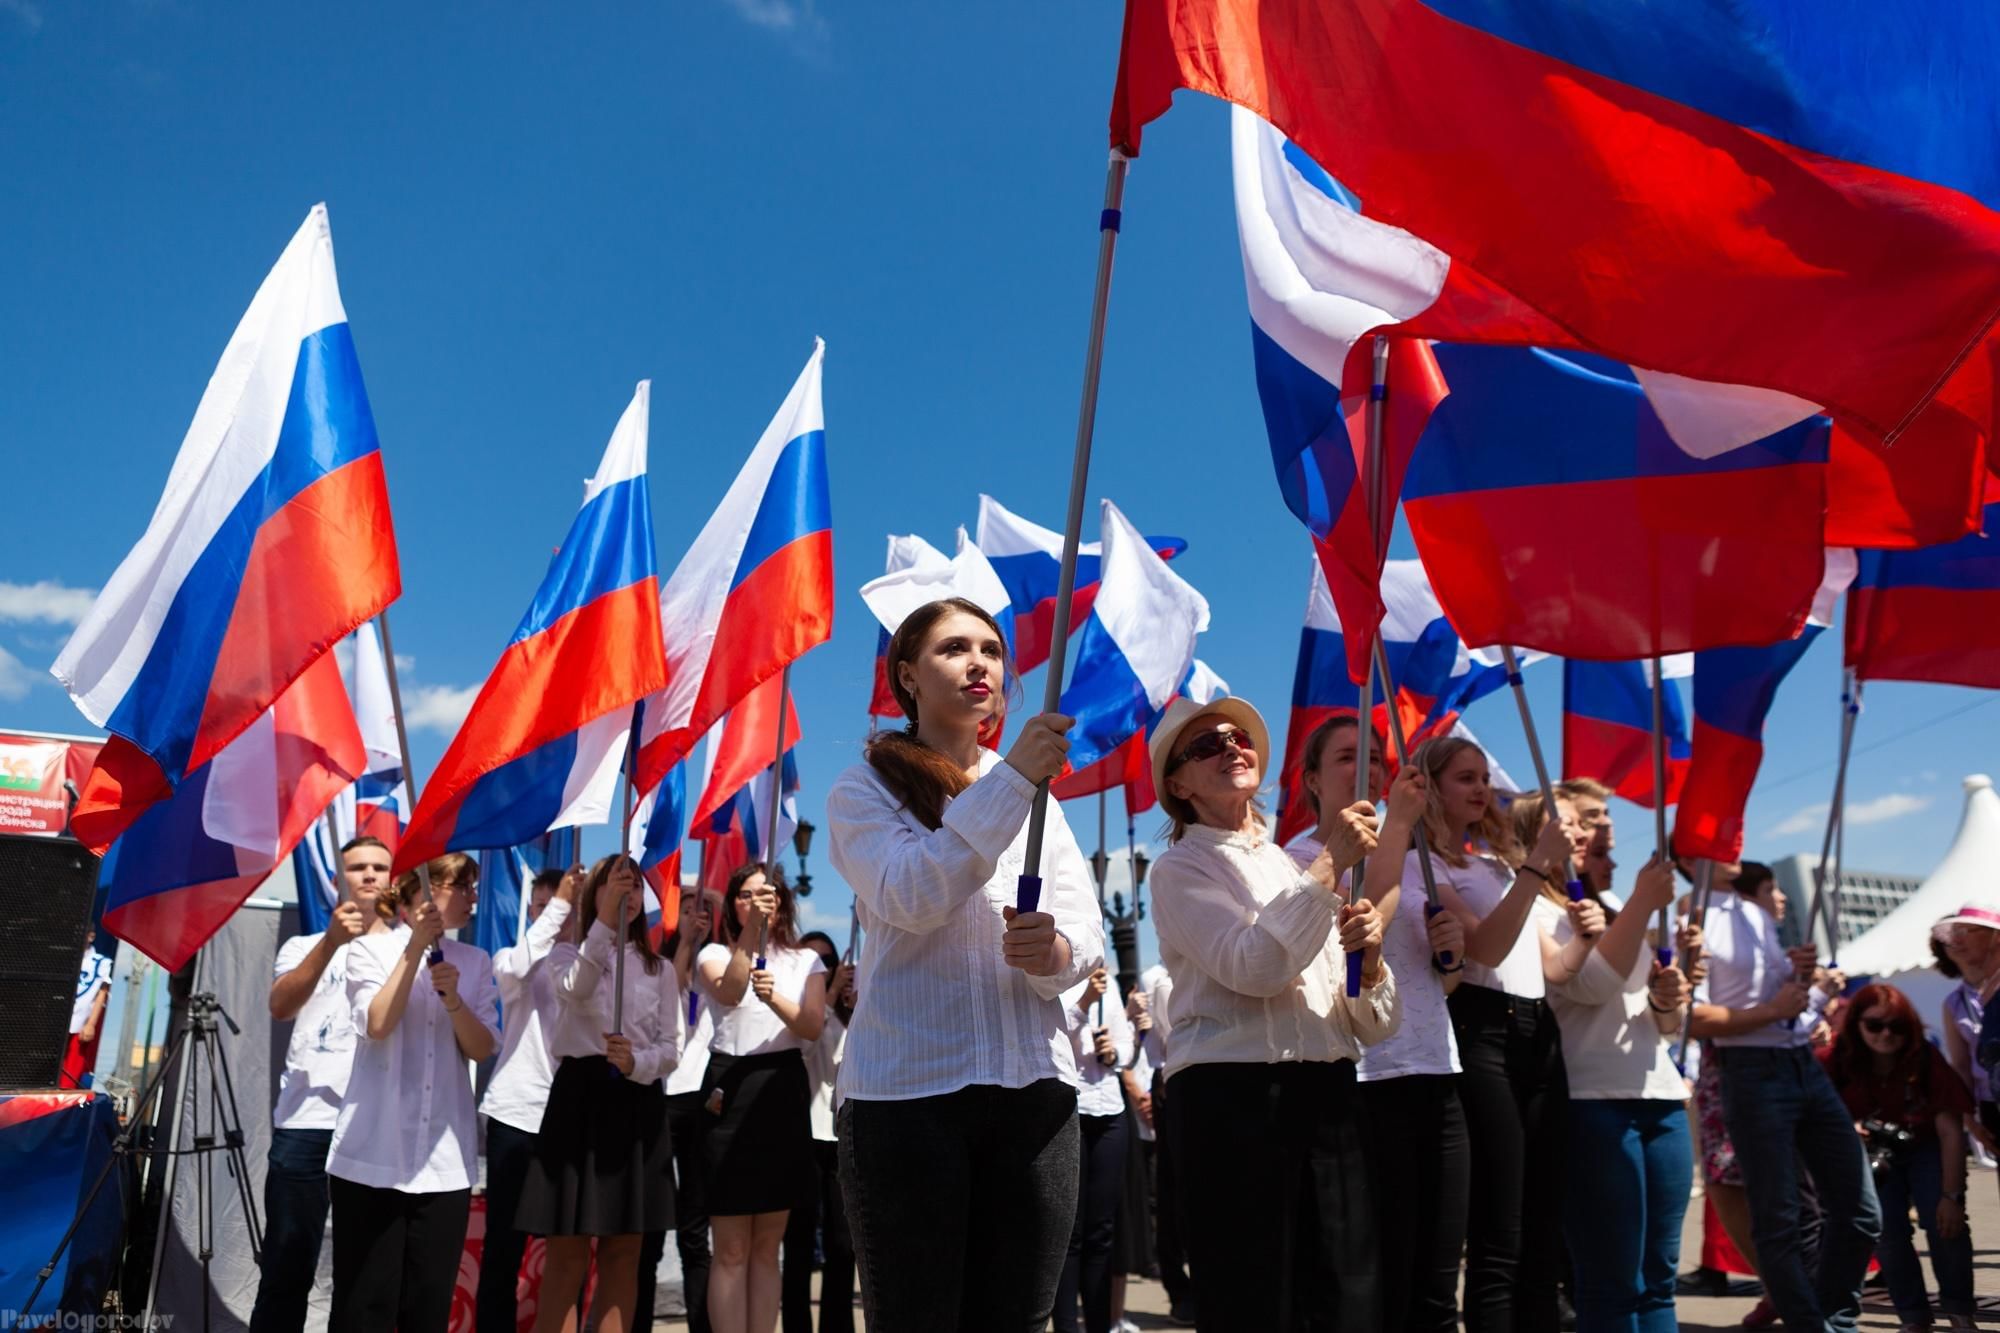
{"points": [[534, 208]]}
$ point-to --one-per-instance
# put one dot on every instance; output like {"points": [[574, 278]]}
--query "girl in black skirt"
{"points": [[603, 1166], [770, 1004]]}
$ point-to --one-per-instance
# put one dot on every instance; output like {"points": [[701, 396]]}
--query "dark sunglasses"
{"points": [[1878, 1026], [1212, 743]]}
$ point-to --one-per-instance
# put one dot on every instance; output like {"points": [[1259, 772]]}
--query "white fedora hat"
{"points": [[1165, 741]]}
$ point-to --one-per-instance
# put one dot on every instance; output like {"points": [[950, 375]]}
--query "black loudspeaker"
{"points": [[46, 889]]}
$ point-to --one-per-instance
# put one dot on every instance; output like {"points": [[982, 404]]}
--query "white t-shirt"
{"points": [[1481, 883], [321, 1052], [1612, 1048], [752, 1027], [1424, 1043]]}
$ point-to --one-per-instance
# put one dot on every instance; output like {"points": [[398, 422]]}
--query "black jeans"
{"points": [[1169, 1219], [684, 1122], [1086, 1272], [294, 1223], [824, 1218], [395, 1257], [960, 1206], [1420, 1156], [508, 1152], [1280, 1219], [1516, 1098]]}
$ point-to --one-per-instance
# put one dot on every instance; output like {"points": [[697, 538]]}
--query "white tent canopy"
{"points": [[1969, 873]]}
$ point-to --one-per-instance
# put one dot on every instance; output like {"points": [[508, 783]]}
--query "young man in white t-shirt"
{"points": [[309, 990]]}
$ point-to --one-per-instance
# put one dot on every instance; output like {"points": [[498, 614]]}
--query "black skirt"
{"points": [[757, 1144], [603, 1163]]}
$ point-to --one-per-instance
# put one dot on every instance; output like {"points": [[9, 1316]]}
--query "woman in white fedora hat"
{"points": [[1968, 945], [1280, 1230]]}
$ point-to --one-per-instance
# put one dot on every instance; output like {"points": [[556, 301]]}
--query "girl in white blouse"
{"points": [[1280, 1228], [1513, 1087], [770, 1006], [958, 1135], [402, 1161], [603, 1167]]}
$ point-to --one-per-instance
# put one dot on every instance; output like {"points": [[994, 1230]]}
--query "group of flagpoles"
{"points": [[403, 748], [1572, 884], [1664, 941], [1028, 895]]}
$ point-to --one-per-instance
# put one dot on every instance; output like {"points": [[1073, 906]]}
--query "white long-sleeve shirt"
{"points": [[941, 1010], [408, 1122], [519, 1090], [1098, 1092], [1612, 1048], [1259, 975], [584, 996], [1747, 966], [1158, 985]]}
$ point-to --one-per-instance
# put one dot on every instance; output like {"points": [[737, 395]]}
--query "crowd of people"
{"points": [[1406, 1054]]}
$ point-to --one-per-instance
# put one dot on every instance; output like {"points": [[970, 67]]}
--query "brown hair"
{"points": [[1494, 828], [919, 776], [451, 868], [1529, 814], [635, 926], [1316, 743], [365, 840], [784, 925], [1571, 788]]}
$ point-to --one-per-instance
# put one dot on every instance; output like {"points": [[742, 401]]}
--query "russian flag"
{"points": [[1028, 559], [506, 875], [187, 863], [1130, 765], [744, 746], [272, 541], [1320, 277], [543, 744], [1733, 692], [381, 795], [1608, 726], [1136, 650], [930, 577], [1930, 614], [1553, 510], [1728, 195], [904, 552], [755, 591], [734, 835], [658, 826]]}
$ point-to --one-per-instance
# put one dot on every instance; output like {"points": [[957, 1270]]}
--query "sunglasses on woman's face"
{"points": [[1877, 1026], [1212, 743]]}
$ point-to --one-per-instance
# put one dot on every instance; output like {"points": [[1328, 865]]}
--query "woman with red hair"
{"points": [[1910, 1105]]}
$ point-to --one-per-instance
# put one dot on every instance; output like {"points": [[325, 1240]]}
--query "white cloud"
{"points": [[44, 601], [799, 22], [343, 654], [15, 677], [817, 914], [1803, 820], [437, 707], [1812, 818]]}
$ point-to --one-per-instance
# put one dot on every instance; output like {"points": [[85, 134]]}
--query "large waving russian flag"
{"points": [[1726, 195], [1554, 510], [1028, 559], [1930, 614], [272, 541], [1608, 725], [544, 741], [755, 591], [658, 826], [1733, 692], [905, 551], [1135, 651], [187, 863]]}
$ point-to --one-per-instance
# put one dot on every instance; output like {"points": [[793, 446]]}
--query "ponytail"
{"points": [[920, 777]]}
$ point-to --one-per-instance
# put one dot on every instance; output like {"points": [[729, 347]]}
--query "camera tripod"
{"points": [[216, 1128]]}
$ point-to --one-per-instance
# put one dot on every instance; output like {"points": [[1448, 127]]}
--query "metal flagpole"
{"points": [[1100, 866], [1665, 942], [1704, 886], [1028, 895], [1573, 884], [1364, 729], [625, 805], [1850, 705], [1431, 905], [777, 805], [403, 749]]}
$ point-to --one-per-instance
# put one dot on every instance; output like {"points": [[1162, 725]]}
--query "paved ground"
{"points": [[1147, 1301]]}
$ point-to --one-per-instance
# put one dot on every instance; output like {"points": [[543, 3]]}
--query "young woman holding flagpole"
{"points": [[958, 1133]]}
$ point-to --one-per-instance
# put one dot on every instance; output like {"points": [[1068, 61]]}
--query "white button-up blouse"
{"points": [[940, 1008]]}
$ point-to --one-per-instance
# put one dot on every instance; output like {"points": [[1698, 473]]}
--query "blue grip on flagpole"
{"points": [[436, 955], [759, 961], [1443, 959], [1353, 975], [1028, 894], [1575, 888], [1110, 219], [1666, 955]]}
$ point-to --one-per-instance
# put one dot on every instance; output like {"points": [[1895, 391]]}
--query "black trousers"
{"points": [[684, 1122], [294, 1224], [508, 1151], [1169, 1218], [395, 1257], [823, 1218], [1280, 1221], [1516, 1098], [1421, 1158], [1086, 1272], [961, 1205]]}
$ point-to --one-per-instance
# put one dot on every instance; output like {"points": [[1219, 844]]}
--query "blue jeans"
{"points": [[1629, 1160], [1917, 1177], [295, 1204], [1783, 1113]]}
